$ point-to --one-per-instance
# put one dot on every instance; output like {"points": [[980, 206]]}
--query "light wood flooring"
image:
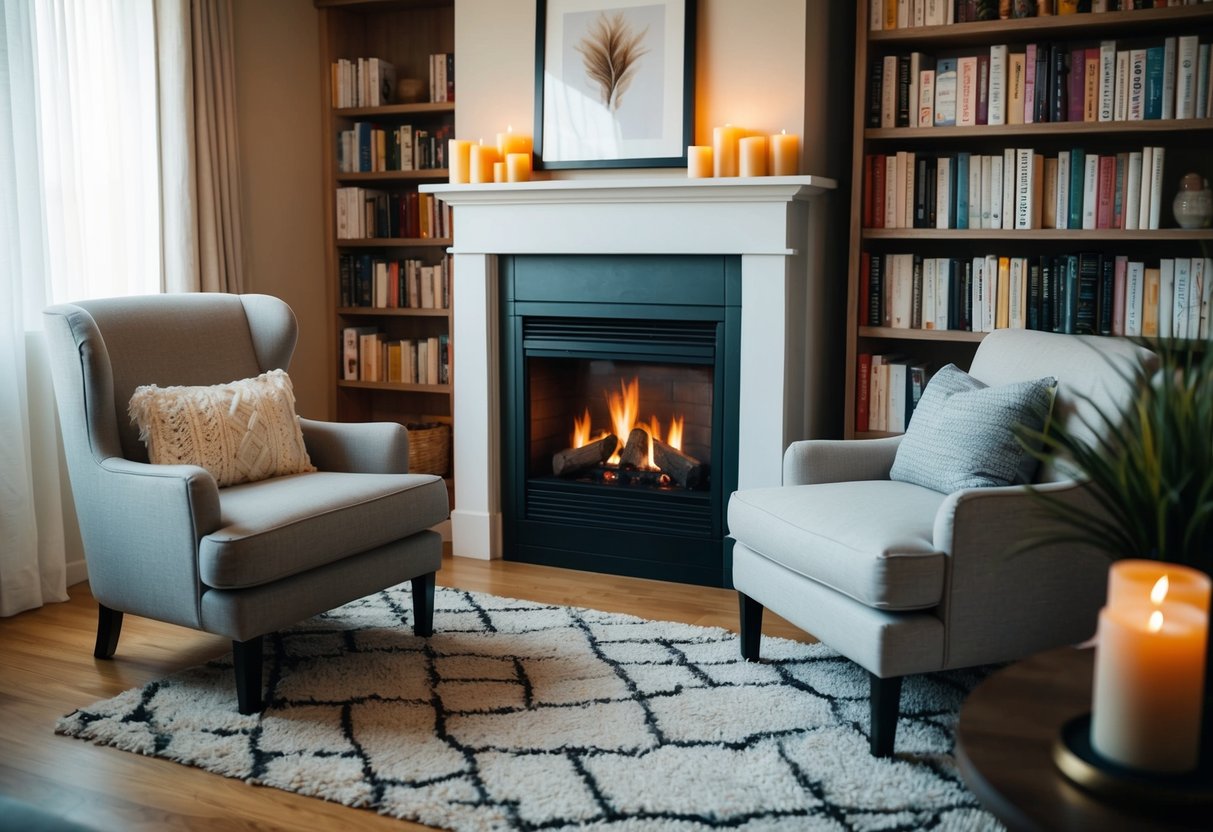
{"points": [[47, 670]]}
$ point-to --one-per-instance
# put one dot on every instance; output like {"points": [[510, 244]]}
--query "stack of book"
{"points": [[371, 147], [904, 14], [365, 213], [888, 389], [1047, 82], [362, 82], [406, 283], [1019, 189], [442, 76], [371, 355], [1084, 293]]}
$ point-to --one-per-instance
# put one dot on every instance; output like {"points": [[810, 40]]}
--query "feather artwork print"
{"points": [[610, 52]]}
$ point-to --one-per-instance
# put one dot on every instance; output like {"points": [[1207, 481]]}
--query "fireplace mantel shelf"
{"points": [[649, 189]]}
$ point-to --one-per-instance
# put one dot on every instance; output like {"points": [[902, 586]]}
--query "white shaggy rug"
{"points": [[525, 716]]}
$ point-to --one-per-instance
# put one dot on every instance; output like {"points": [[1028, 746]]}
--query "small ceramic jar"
{"points": [[1193, 205]]}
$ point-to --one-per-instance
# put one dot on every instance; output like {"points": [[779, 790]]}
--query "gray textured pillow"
{"points": [[962, 432]]}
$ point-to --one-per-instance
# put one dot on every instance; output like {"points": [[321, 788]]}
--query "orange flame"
{"points": [[1159, 593], [581, 430], [623, 407], [674, 440]]}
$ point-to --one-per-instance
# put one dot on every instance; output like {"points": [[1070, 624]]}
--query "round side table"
{"points": [[1004, 742]]}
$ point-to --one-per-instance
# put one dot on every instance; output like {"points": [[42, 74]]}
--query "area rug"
{"points": [[524, 716]]}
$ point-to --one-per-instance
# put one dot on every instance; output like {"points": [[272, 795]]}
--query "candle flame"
{"points": [[1159, 592], [1155, 621], [783, 132], [509, 128]]}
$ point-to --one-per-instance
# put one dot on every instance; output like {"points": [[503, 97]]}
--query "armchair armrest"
{"points": [[357, 447], [814, 461]]}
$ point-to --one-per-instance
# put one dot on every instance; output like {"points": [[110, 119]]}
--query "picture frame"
{"points": [[589, 113]]}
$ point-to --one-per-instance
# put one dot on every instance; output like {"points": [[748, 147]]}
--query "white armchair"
{"points": [[902, 579]]}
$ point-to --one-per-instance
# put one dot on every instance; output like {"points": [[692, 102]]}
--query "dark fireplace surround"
{"points": [[577, 328]]}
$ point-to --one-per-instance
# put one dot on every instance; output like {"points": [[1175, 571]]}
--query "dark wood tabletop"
{"points": [[1004, 742]]}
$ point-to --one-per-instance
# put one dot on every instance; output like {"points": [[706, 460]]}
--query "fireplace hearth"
{"points": [[619, 425]]}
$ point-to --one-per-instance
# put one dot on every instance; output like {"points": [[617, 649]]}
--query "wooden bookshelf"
{"points": [[1187, 143], [403, 33]]}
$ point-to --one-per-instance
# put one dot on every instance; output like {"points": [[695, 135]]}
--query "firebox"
{"points": [[620, 402]]}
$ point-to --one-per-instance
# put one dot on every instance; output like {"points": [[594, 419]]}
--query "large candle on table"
{"points": [[752, 156], [785, 154], [511, 142], [1150, 670], [518, 167], [699, 161], [482, 159], [724, 149], [459, 153]]}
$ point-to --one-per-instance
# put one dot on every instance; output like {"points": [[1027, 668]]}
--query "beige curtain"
{"points": [[200, 165]]}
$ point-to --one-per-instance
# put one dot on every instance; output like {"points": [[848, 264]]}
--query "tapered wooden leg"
{"points": [[109, 627], [247, 656], [423, 605], [751, 626], [886, 703]]}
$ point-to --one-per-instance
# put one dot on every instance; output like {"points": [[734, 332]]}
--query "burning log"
{"points": [[683, 469], [572, 460], [635, 453]]}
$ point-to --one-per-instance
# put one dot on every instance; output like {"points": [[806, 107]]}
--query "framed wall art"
{"points": [[614, 83]]}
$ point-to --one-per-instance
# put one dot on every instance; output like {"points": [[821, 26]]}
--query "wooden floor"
{"points": [[47, 670]]}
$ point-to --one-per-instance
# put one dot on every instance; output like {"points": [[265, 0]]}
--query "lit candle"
{"points": [[724, 149], [511, 142], [785, 154], [1131, 580], [498, 171], [699, 161], [518, 167], [459, 161], [1149, 673], [482, 158], [753, 156]]}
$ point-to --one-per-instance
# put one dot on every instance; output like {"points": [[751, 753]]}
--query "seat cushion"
{"points": [[286, 525], [871, 540]]}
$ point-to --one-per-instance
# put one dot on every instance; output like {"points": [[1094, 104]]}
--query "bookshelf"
{"points": [[1186, 142], [388, 150]]}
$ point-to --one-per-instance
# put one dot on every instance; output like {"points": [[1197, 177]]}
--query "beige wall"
{"points": [[278, 100], [751, 69]]}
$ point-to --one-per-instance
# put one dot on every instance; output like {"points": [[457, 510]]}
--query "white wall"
{"points": [[278, 100]]}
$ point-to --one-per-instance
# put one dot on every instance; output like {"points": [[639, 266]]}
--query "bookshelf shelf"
{"points": [[1074, 235], [1040, 257], [1073, 26], [1082, 129], [382, 341], [396, 242]]}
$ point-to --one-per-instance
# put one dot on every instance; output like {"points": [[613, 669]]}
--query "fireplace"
{"points": [[779, 322], [619, 412]]}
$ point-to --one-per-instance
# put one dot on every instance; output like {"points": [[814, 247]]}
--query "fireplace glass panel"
{"points": [[671, 401]]}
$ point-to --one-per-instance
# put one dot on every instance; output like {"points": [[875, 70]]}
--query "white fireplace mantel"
{"points": [[766, 221]]}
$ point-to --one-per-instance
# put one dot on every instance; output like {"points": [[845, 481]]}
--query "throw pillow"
{"points": [[242, 431], [962, 434]]}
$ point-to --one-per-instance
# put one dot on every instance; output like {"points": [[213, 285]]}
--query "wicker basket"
{"points": [[429, 448]]}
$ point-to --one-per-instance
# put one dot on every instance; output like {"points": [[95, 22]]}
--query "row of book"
{"points": [[375, 148], [362, 82], [887, 389], [442, 76], [1047, 82], [367, 354], [367, 280], [1020, 189], [1087, 293], [904, 14], [366, 213]]}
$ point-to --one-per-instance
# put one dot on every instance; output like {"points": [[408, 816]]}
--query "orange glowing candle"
{"points": [[724, 149], [1150, 669], [518, 167], [785, 154], [752, 151], [482, 159], [699, 161], [459, 161], [511, 142]]}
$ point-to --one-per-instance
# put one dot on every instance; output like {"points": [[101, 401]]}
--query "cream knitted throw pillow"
{"points": [[243, 431]]}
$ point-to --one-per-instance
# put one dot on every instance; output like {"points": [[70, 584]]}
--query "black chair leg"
{"points": [[109, 627], [751, 626], [423, 605], [247, 658], [886, 703]]}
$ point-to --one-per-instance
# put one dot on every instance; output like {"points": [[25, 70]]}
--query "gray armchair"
{"points": [[902, 579], [163, 541]]}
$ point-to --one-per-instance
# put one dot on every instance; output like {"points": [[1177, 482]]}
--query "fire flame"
{"points": [[581, 430], [624, 409], [1155, 621], [1159, 592]]}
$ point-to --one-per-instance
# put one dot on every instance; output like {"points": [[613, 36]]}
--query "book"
{"points": [[1136, 107], [1202, 82], [1049, 201], [943, 193], [888, 92], [1187, 58], [1181, 298], [1169, 56], [945, 92], [1008, 188], [1152, 108], [1166, 296], [1002, 294], [1031, 67], [974, 185], [997, 181], [1016, 81], [1120, 105], [1134, 295], [1107, 294], [1086, 300], [997, 95], [1077, 179], [961, 187], [1090, 191], [926, 98], [1025, 183], [1090, 93], [918, 63], [1107, 79], [983, 89], [1061, 207], [1149, 302], [1104, 191], [1119, 279], [1143, 201], [862, 390], [1156, 173], [904, 91], [1076, 85], [1132, 198]]}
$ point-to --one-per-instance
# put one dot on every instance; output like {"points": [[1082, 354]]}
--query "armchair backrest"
{"points": [[1092, 372], [101, 350]]}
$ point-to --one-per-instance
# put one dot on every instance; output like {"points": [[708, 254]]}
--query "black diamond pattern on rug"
{"points": [[525, 716]]}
